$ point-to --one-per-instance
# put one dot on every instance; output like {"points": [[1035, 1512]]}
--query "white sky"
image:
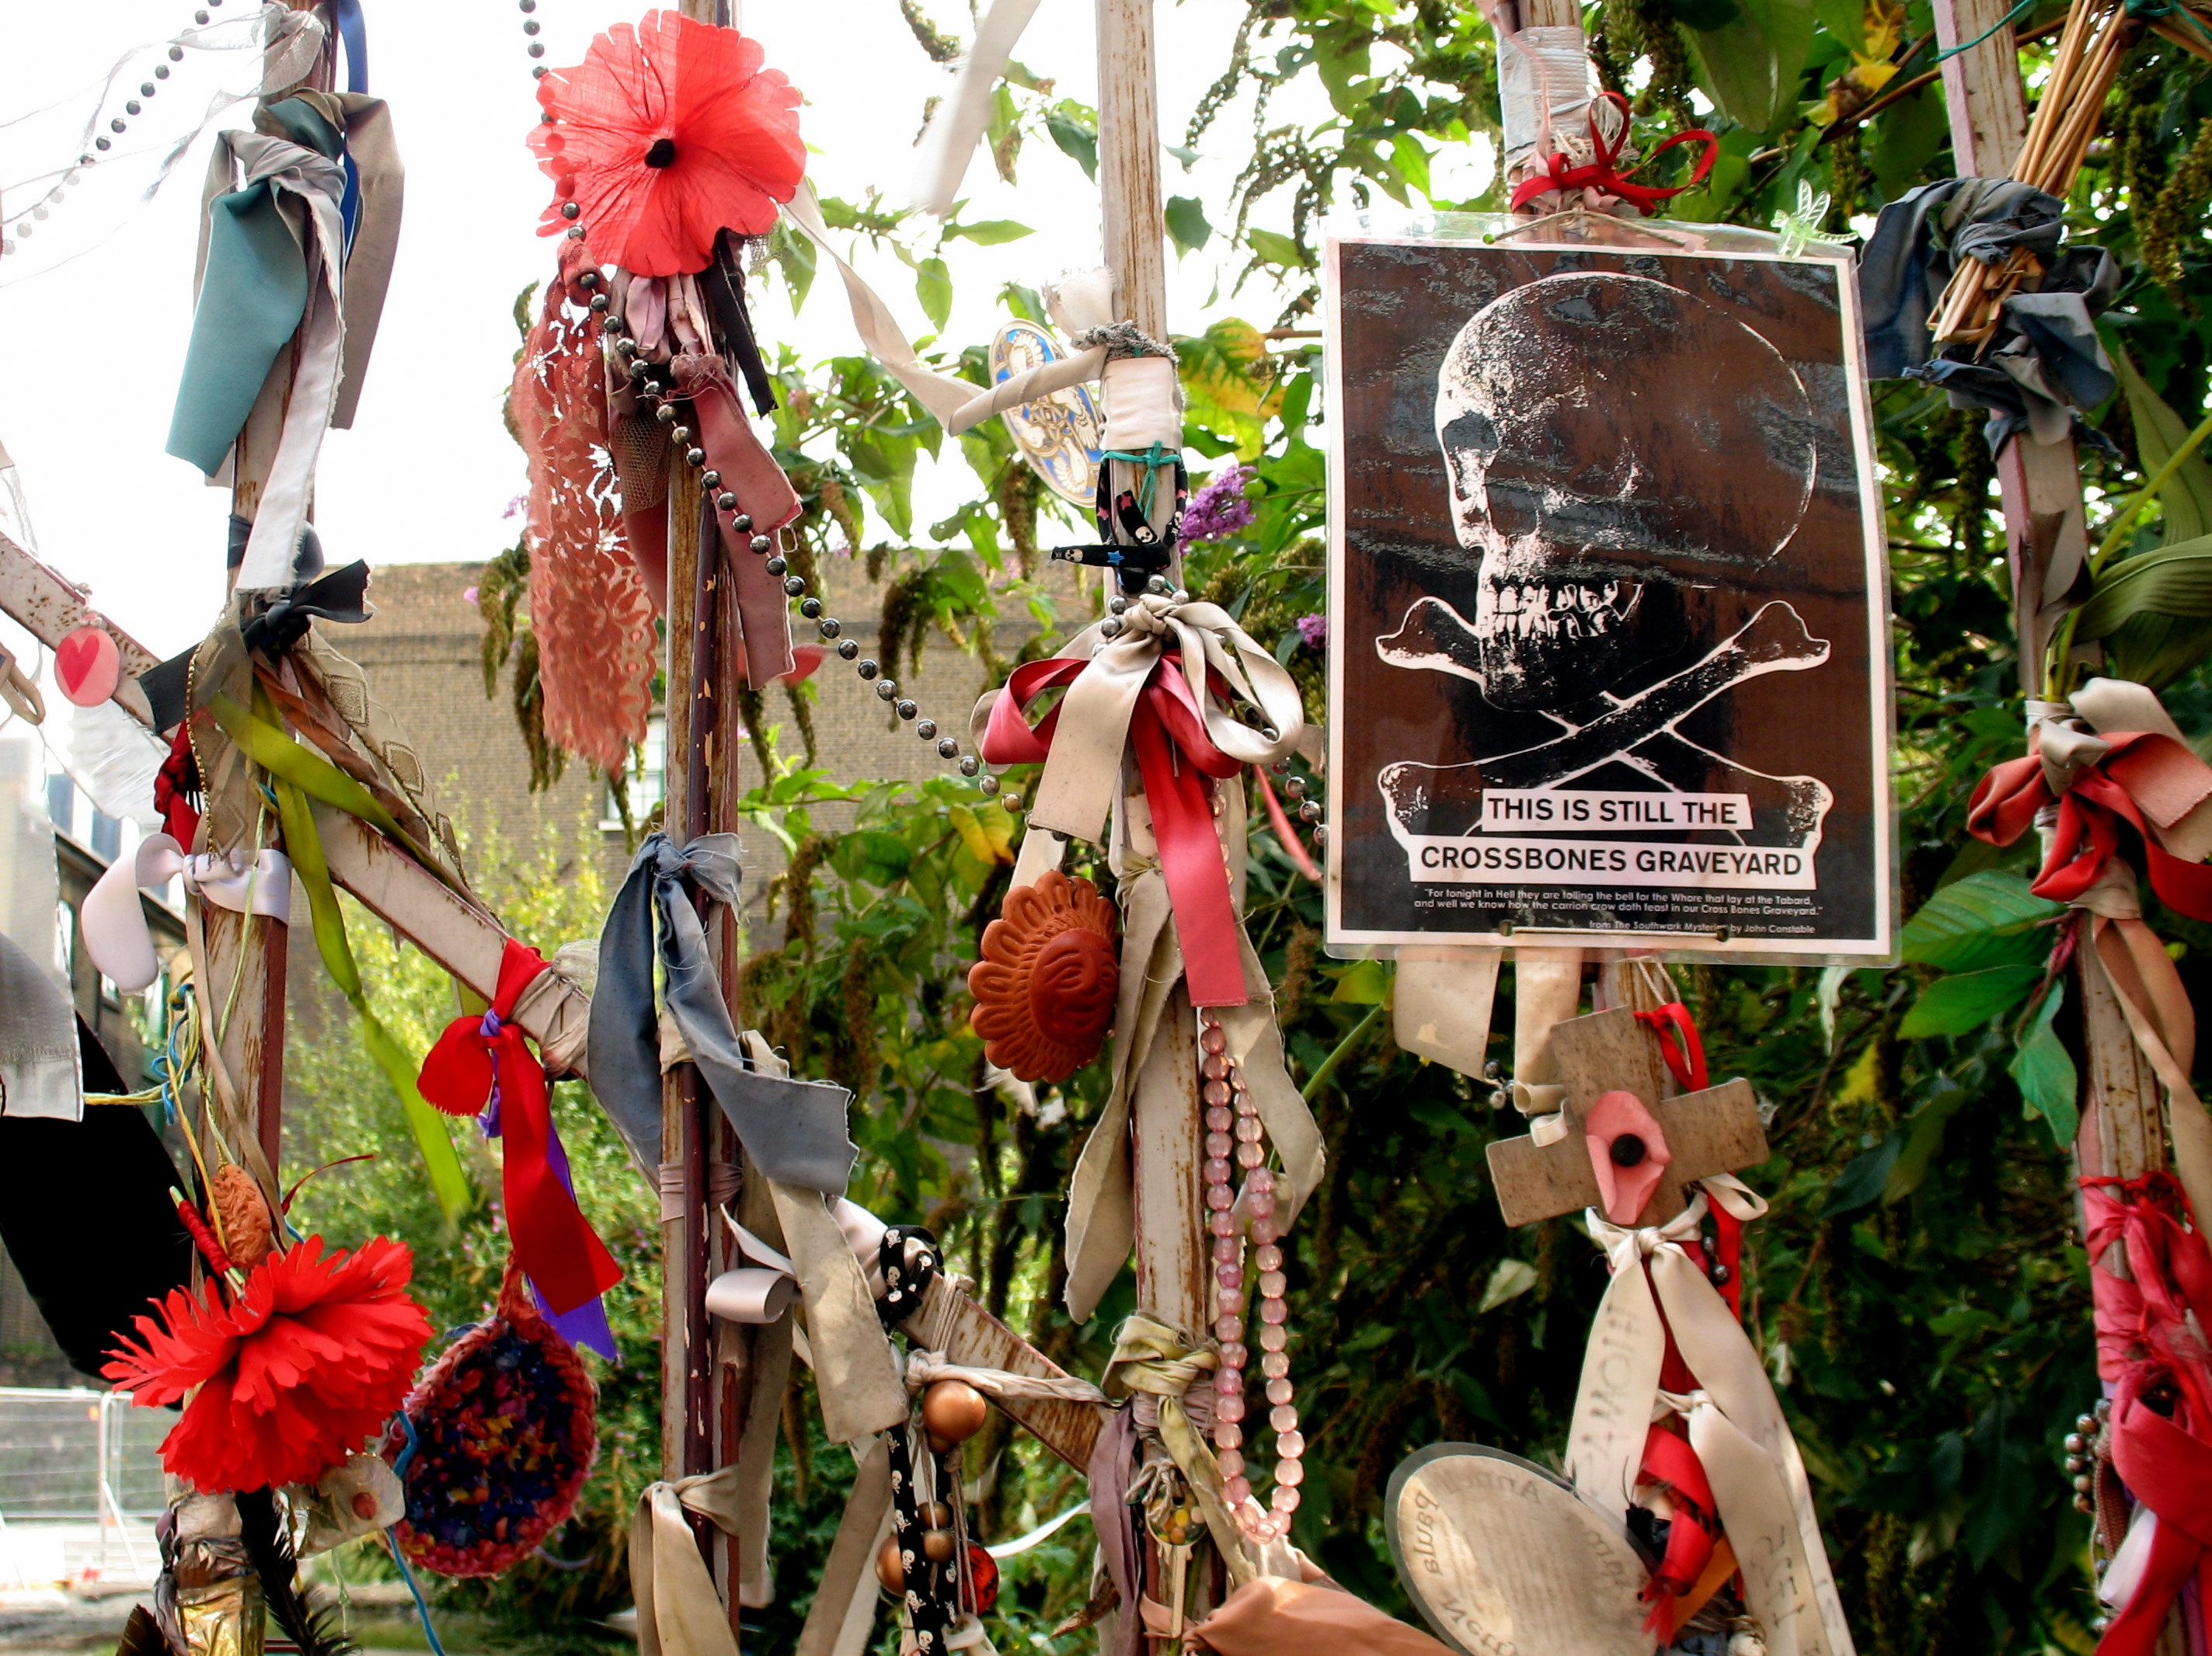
{"points": [[91, 347]]}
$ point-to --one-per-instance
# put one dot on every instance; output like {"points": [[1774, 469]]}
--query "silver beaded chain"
{"points": [[28, 225], [794, 585]]}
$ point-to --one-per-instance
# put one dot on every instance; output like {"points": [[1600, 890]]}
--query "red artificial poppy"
{"points": [[665, 135], [304, 1365]]}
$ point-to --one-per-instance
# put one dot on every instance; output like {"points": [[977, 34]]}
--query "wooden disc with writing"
{"points": [[1504, 1560]]}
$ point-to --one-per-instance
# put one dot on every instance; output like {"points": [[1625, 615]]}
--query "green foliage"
{"points": [[548, 891]]}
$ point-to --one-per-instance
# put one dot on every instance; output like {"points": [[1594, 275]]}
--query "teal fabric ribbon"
{"points": [[253, 291], [1153, 460]]}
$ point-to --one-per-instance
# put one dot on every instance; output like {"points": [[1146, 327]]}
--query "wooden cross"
{"points": [[1712, 1131]]}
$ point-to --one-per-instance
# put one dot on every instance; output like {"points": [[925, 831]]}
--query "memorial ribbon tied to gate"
{"points": [[1500, 966]]}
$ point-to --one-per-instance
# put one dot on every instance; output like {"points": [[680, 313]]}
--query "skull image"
{"points": [[1577, 415]]}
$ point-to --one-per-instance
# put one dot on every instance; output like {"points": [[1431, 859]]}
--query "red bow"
{"points": [[2099, 797], [1599, 175], [481, 1060], [2145, 1343], [1174, 756]]}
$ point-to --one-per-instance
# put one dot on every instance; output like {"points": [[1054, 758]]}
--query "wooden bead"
{"points": [[936, 1546], [888, 1569], [934, 1515], [953, 1411]]}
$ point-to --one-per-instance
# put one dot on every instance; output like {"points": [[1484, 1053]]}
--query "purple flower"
{"points": [[468, 595], [1313, 631], [519, 503], [1219, 509]]}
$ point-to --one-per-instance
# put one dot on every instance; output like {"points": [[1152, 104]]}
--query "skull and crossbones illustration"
{"points": [[1581, 417]]}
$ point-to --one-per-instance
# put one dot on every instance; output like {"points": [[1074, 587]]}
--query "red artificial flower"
{"points": [[665, 135], [302, 1368]]}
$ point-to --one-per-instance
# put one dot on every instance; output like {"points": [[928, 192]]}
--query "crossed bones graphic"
{"points": [[1637, 730]]}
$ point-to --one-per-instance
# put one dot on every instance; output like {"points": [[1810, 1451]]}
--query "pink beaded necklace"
{"points": [[1228, 1105]]}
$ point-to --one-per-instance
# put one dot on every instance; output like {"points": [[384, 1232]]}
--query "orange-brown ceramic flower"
{"points": [[1045, 986]]}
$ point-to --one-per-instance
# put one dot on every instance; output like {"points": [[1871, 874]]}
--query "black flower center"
{"points": [[663, 153], [1628, 1151]]}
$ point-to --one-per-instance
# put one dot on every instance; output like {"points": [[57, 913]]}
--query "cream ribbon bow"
{"points": [[113, 922], [1082, 775], [1736, 1424], [679, 1613]]}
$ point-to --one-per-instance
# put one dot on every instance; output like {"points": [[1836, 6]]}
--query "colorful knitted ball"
{"points": [[504, 1437]]}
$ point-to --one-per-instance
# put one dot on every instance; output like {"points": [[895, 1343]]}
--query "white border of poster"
{"points": [[1701, 872]]}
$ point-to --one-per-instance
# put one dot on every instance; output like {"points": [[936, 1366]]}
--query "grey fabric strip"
{"points": [[795, 1131], [39, 1056]]}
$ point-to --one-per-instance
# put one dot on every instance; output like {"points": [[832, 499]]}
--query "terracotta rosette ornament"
{"points": [[1046, 984]]}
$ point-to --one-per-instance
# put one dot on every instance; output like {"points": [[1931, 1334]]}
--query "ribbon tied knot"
{"points": [[1154, 681]]}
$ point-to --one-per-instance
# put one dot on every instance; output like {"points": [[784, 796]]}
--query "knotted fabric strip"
{"points": [[483, 1062], [1735, 1424], [765, 494], [1677, 1044], [926, 1367], [1102, 1196], [2132, 765], [1151, 1356], [795, 1131], [112, 918], [679, 1613], [2153, 1297], [2142, 773], [341, 595], [41, 1071], [1599, 172], [1151, 687]]}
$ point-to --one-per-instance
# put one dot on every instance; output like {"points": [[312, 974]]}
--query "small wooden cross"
{"points": [[1713, 1131]]}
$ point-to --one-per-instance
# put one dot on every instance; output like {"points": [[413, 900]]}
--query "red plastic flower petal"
{"points": [[305, 1365], [665, 135], [1628, 1153]]}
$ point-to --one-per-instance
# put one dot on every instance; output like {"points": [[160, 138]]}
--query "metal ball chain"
{"points": [[667, 412], [28, 225]]}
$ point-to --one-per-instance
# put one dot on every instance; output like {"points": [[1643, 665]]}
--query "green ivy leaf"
{"points": [[1187, 223], [2049, 1085], [1750, 67], [1271, 247], [1363, 983], [1966, 1000], [989, 232], [932, 285], [1074, 129], [1985, 919], [1864, 1180]]}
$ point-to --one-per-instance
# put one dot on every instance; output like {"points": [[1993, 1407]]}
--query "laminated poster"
{"points": [[1608, 654]]}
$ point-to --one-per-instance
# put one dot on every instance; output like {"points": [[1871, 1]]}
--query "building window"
{"points": [[106, 836], [647, 776]]}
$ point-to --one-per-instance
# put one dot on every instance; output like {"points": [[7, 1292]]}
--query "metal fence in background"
{"points": [[79, 1455]]}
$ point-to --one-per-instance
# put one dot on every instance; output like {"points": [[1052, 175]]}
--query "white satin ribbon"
{"points": [[942, 395], [959, 123], [112, 922], [1736, 1424]]}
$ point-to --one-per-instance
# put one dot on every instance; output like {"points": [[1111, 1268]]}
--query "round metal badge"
{"points": [[1061, 434]]}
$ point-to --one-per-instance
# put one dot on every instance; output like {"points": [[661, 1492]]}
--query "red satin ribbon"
{"points": [[2145, 1346], [1600, 174], [1673, 1465], [555, 1244], [1678, 1043], [1174, 757], [2090, 812]]}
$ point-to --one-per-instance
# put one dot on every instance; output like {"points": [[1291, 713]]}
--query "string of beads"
{"points": [[27, 226]]}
